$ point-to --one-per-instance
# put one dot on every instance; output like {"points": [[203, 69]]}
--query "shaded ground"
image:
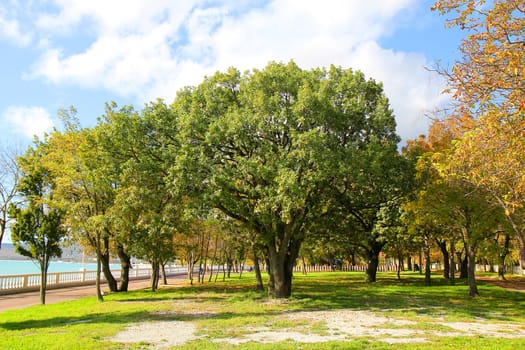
{"points": [[516, 284], [319, 326], [21, 300]]}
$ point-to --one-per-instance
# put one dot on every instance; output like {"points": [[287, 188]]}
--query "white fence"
{"points": [[516, 270], [329, 268], [20, 283]]}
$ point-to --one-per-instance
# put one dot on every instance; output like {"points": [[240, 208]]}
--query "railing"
{"points": [[21, 283], [329, 268], [393, 267]]}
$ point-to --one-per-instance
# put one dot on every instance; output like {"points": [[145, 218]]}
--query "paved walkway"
{"points": [[22, 300]]}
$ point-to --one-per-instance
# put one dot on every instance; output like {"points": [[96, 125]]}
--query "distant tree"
{"points": [[392, 225], [9, 177], [37, 231]]}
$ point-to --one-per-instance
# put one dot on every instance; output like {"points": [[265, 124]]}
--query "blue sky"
{"points": [[57, 53]]}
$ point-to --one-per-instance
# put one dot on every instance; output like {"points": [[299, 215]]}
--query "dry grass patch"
{"points": [[316, 327]]}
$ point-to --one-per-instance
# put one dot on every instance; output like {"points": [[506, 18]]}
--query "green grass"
{"points": [[232, 309]]}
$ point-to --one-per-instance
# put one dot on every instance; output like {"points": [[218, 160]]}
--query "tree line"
{"points": [[287, 164]]}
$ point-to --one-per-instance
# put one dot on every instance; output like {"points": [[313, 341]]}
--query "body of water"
{"points": [[17, 267]]}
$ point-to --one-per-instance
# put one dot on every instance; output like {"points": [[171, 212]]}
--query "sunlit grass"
{"points": [[232, 308]]}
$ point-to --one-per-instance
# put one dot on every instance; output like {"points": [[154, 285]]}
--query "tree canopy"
{"points": [[271, 145]]}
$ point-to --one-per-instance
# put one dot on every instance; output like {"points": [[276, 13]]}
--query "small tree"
{"points": [[9, 175], [37, 230]]}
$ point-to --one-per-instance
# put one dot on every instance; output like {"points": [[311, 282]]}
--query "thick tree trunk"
{"points": [[281, 264], [230, 268], [105, 260], [373, 262], [125, 265], [99, 268], [43, 281], [452, 263], [473, 289], [372, 256], [502, 256], [163, 273], [154, 280], [428, 272], [463, 267], [112, 282], [446, 265], [281, 277], [400, 265], [409, 263], [191, 266]]}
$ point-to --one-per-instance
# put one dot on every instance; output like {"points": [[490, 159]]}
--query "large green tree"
{"points": [[367, 171], [374, 177], [86, 180], [268, 147], [145, 212]]}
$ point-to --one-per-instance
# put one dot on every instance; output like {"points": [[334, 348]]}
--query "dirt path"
{"points": [[516, 284]]}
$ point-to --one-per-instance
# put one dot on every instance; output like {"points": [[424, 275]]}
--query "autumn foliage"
{"points": [[488, 86]]}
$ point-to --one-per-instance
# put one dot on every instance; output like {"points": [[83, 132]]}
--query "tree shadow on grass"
{"points": [[410, 294], [51, 322], [150, 299], [339, 290]]}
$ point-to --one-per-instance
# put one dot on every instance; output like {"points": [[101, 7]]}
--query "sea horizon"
{"points": [[25, 267]]}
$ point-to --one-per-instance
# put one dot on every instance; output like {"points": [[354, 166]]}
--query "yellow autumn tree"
{"points": [[490, 72], [488, 85]]}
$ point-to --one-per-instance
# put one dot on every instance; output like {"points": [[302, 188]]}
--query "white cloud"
{"points": [[150, 50], [29, 121], [116, 16], [10, 29], [413, 91]]}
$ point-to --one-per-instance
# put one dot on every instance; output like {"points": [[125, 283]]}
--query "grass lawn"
{"points": [[327, 311]]}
